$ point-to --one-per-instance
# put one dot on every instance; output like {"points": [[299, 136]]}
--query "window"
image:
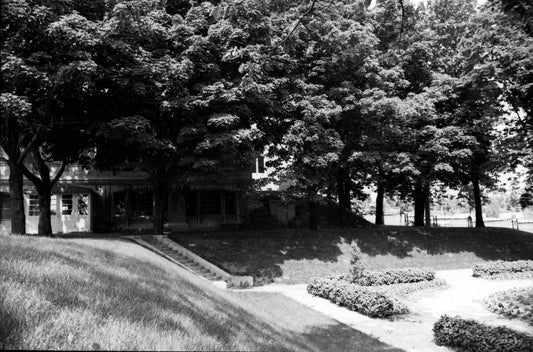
{"points": [[53, 204], [34, 205], [191, 204], [142, 203], [83, 204], [66, 204], [133, 204], [260, 164], [231, 200], [5, 206], [119, 204], [210, 202]]}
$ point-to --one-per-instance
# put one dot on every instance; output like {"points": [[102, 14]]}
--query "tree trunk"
{"points": [[341, 196], [160, 199], [380, 215], [344, 192], [45, 223], [313, 216], [420, 202], [427, 205], [477, 202], [44, 186], [16, 185]]}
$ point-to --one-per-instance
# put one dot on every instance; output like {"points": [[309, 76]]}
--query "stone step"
{"points": [[203, 271]]}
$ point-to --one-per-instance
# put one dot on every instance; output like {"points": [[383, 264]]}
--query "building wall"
{"points": [[121, 199]]}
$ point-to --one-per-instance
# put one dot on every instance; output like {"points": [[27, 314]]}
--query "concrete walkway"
{"points": [[413, 332]]}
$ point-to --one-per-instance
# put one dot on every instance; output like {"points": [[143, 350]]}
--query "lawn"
{"points": [[115, 295], [296, 255]]}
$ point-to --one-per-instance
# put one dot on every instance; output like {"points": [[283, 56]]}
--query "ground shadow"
{"points": [[263, 253], [152, 296]]}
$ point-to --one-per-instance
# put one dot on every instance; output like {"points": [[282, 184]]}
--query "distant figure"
{"points": [[469, 219]]}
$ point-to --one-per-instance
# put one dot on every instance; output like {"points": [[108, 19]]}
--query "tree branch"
{"points": [[44, 170], [60, 172], [30, 176], [305, 14], [29, 147], [403, 20]]}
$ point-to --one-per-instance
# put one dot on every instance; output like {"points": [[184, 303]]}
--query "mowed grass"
{"points": [[297, 255], [90, 294]]}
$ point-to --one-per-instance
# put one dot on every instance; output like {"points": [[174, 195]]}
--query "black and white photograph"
{"points": [[266, 175]]}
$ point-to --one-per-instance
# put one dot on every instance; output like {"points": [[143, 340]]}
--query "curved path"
{"points": [[413, 332]]}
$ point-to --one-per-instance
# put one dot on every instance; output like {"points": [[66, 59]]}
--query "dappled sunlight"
{"points": [[295, 256]]}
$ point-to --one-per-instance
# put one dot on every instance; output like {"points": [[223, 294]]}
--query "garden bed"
{"points": [[519, 269], [470, 335], [513, 303]]}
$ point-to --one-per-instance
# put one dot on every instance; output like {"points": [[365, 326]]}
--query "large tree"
{"points": [[46, 67]]}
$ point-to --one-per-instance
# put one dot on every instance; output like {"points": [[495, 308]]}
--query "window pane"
{"points": [[53, 204], [119, 205], [230, 202], [141, 203], [66, 204], [34, 205], [190, 204], [260, 164], [83, 202], [210, 202]]}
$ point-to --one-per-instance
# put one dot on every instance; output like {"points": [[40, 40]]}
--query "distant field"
{"points": [[90, 294], [296, 255]]}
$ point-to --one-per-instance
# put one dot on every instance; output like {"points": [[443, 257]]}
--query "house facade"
{"points": [[88, 200]]}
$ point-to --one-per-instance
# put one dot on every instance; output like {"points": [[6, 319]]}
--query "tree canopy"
{"points": [[396, 96]]}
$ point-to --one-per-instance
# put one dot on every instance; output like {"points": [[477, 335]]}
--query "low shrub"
{"points": [[400, 290], [513, 303], [354, 297], [356, 261], [498, 268], [470, 335], [393, 276]]}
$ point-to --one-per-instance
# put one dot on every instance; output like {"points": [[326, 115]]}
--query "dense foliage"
{"points": [[469, 335], [513, 303], [393, 276], [356, 298], [341, 95], [500, 268]]}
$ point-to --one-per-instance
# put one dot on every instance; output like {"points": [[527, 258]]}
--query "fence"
{"points": [[450, 221]]}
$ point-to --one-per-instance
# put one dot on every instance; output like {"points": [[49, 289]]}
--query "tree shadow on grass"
{"points": [[142, 292], [263, 253]]}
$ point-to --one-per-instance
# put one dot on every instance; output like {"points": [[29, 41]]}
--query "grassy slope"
{"points": [[294, 256], [112, 294]]}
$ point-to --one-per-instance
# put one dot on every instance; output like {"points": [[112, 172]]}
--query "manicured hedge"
{"points": [[354, 297], [399, 290], [513, 303], [393, 276], [500, 267], [470, 335]]}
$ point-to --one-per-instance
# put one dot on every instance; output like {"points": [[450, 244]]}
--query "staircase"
{"points": [[185, 261], [192, 262]]}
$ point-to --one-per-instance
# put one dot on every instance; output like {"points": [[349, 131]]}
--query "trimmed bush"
{"points": [[500, 267], [513, 303], [356, 262], [400, 290], [470, 335], [354, 297], [393, 276]]}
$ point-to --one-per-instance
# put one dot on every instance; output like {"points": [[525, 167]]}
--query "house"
{"points": [[87, 200]]}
